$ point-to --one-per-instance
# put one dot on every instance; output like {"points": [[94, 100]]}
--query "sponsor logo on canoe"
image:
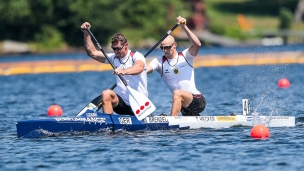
{"points": [[280, 118], [91, 106], [225, 118], [142, 108], [98, 120], [275, 119], [91, 115], [268, 118], [181, 118], [205, 118], [157, 119], [249, 118], [125, 121]]}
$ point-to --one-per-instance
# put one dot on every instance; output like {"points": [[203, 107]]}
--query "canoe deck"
{"points": [[92, 121]]}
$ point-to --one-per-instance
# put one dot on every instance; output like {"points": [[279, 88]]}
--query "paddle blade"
{"points": [[93, 105], [89, 106], [140, 104]]}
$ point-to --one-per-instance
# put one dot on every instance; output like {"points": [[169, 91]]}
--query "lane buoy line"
{"points": [[61, 66]]}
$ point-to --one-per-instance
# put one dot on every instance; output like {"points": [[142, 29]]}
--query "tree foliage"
{"points": [[50, 21], [285, 18]]}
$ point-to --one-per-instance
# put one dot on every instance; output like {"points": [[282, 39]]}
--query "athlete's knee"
{"points": [[106, 96], [177, 94]]}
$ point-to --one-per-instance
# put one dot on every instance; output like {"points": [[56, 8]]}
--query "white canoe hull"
{"points": [[195, 122]]}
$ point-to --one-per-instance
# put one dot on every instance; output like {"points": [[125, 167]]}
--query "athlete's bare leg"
{"points": [[109, 100], [180, 99]]}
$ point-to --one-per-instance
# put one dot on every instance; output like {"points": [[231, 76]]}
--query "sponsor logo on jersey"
{"points": [[175, 71]]}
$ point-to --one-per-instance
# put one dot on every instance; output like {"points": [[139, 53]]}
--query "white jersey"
{"points": [[136, 82], [178, 72]]}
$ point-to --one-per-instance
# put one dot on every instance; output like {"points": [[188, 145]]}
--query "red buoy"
{"points": [[260, 131], [54, 110], [283, 83]]}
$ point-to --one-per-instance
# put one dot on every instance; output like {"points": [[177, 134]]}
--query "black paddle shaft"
{"points": [[105, 54], [168, 32]]}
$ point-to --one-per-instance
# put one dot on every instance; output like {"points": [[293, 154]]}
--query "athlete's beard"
{"points": [[118, 55], [169, 54]]}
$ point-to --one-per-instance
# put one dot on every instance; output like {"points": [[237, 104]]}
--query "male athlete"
{"points": [[176, 70], [130, 64]]}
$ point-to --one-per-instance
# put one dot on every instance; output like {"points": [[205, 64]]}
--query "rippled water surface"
{"points": [[29, 96]]}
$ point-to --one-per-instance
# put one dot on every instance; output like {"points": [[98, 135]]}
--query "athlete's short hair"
{"points": [[119, 37]]}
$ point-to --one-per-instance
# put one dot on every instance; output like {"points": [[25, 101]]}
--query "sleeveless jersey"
{"points": [[136, 82], [177, 73]]}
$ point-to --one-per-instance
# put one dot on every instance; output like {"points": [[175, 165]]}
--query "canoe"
{"points": [[97, 122]]}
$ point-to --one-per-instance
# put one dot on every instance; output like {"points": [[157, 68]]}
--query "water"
{"points": [[29, 96]]}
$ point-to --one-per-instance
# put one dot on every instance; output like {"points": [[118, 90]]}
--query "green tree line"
{"points": [[54, 23]]}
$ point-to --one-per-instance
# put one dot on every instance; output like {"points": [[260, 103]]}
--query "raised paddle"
{"points": [[95, 104], [140, 104]]}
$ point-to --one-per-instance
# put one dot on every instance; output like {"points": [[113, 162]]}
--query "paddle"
{"points": [[140, 104], [95, 104]]}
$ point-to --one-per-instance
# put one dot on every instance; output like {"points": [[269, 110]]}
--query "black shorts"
{"points": [[122, 108], [197, 105]]}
